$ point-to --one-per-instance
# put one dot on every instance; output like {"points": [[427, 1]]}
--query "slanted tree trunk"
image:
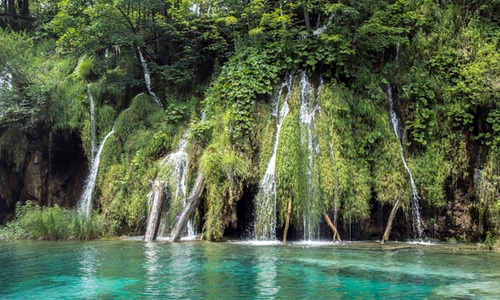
{"points": [[388, 227], [192, 203], [334, 229], [154, 216], [287, 223]]}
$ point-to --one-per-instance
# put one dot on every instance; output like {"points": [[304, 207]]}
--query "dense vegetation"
{"points": [[440, 59]]}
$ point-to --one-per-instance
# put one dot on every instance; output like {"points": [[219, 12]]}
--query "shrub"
{"points": [[54, 223]]}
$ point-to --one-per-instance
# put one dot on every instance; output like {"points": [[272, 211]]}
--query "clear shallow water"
{"points": [[132, 269]]}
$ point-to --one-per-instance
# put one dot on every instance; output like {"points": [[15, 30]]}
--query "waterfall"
{"points": [[85, 202], [92, 123], [178, 162], [320, 30], [309, 107], [147, 79], [6, 81], [173, 169], [415, 199], [265, 225]]}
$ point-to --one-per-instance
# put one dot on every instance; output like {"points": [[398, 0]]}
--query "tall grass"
{"points": [[52, 223]]}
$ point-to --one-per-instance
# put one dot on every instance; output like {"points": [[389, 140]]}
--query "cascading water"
{"points": [[6, 81], [265, 225], [147, 79], [415, 199], [173, 170], [85, 202], [178, 164], [92, 123], [320, 30], [309, 107]]}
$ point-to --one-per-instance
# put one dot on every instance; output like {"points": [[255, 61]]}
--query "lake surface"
{"points": [[132, 269]]}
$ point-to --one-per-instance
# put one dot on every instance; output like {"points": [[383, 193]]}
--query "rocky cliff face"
{"points": [[53, 172]]}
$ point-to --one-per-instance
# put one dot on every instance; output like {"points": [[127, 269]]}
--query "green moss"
{"points": [[86, 69], [431, 172], [343, 162], [291, 182], [69, 104], [225, 171]]}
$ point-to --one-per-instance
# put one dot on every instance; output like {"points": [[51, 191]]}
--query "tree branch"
{"points": [[27, 18]]}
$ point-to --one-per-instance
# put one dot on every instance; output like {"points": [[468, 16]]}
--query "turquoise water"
{"points": [[132, 269]]}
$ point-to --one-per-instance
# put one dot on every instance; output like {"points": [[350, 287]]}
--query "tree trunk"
{"points": [[192, 203], [306, 17], [24, 8], [334, 229], [154, 216], [287, 223], [388, 228], [11, 5]]}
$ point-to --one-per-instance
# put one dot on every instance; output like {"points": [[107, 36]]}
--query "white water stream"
{"points": [[309, 107], [415, 199], [85, 202], [147, 79], [92, 123], [265, 226]]}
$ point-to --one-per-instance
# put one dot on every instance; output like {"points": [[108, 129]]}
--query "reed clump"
{"points": [[51, 223]]}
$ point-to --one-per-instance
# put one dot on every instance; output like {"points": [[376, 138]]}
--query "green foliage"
{"points": [[123, 190], [67, 105], [441, 57], [86, 68], [291, 178], [494, 120], [143, 114], [225, 171], [431, 172], [23, 94], [247, 76], [55, 223], [346, 147], [391, 181]]}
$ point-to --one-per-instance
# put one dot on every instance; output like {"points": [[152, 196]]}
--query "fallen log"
{"points": [[191, 204], [388, 227], [336, 234], [155, 209]]}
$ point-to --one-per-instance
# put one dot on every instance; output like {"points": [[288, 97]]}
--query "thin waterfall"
{"points": [[174, 171], [6, 81], [92, 123], [265, 225], [319, 31], [85, 202], [147, 78], [178, 162], [309, 107], [415, 199]]}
